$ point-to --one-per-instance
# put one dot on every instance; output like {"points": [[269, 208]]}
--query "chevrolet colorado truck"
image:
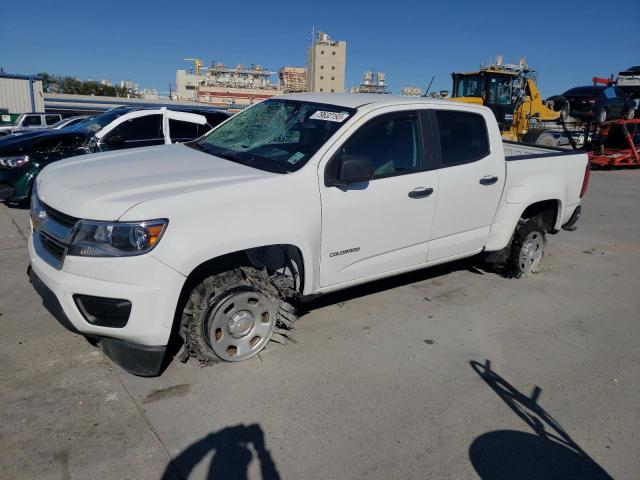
{"points": [[214, 240]]}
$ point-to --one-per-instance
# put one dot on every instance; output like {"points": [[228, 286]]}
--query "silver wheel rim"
{"points": [[531, 252], [240, 325], [602, 117]]}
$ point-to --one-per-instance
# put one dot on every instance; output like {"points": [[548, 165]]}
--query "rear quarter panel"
{"points": [[555, 177]]}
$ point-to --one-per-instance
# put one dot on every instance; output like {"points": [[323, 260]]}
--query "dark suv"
{"points": [[23, 156], [599, 103]]}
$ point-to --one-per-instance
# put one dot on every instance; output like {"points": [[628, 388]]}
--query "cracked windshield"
{"points": [[275, 135]]}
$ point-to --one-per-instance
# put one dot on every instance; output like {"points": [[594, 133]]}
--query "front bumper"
{"points": [[151, 287], [6, 192]]}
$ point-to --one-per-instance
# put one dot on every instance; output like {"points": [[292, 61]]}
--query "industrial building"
{"points": [[20, 93], [372, 83], [293, 79], [218, 84], [326, 62]]}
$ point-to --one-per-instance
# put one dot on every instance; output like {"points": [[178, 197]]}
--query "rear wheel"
{"points": [[601, 115], [527, 247], [629, 114]]}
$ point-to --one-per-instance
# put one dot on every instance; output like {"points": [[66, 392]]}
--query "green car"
{"points": [[23, 156]]}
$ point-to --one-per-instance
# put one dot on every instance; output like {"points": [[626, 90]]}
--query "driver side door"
{"points": [[371, 228]]}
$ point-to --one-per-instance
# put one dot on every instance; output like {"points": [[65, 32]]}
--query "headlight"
{"points": [[14, 161], [116, 239]]}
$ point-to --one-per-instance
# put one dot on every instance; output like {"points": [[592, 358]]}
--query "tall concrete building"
{"points": [[326, 62]]}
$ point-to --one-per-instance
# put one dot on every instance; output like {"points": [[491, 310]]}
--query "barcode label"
{"points": [[329, 116]]}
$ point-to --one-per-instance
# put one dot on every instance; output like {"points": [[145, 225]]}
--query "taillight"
{"points": [[585, 181]]}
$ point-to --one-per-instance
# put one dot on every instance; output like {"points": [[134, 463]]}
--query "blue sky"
{"points": [[568, 42]]}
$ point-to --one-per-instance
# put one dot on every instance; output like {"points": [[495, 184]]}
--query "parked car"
{"points": [[31, 121], [23, 156], [293, 197], [629, 80], [599, 103]]}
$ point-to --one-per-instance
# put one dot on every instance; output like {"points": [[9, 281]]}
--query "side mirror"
{"points": [[354, 169]]}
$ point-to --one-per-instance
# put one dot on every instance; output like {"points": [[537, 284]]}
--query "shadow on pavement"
{"points": [[232, 453], [549, 454]]}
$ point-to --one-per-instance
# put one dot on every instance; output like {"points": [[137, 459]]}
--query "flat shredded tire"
{"points": [[527, 247], [231, 316]]}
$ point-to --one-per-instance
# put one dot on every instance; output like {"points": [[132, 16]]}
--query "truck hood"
{"points": [[104, 186]]}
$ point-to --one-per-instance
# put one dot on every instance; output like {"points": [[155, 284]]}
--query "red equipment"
{"points": [[604, 81], [611, 157]]}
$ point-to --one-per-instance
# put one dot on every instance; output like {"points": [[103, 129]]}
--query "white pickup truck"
{"points": [[299, 195]]}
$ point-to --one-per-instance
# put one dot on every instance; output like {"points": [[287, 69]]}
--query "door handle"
{"points": [[488, 180], [420, 192]]}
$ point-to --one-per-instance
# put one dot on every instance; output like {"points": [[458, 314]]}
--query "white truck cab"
{"points": [[294, 197]]}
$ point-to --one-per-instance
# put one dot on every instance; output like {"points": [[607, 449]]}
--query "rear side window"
{"points": [[215, 118], [463, 137], [32, 121], [183, 131], [51, 119]]}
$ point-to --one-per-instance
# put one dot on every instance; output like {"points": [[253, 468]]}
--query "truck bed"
{"points": [[525, 151]]}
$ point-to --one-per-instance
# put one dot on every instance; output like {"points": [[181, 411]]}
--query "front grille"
{"points": [[61, 218], [53, 246]]}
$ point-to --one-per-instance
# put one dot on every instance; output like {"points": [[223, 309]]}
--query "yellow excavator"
{"points": [[510, 91]]}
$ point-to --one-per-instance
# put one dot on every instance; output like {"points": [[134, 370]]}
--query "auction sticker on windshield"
{"points": [[329, 116]]}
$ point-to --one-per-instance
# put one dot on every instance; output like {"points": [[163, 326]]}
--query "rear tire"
{"points": [[527, 247], [629, 114], [601, 115], [232, 315]]}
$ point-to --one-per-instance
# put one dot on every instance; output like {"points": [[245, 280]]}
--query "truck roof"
{"points": [[356, 100]]}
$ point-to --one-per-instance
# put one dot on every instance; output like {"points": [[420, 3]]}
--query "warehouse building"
{"points": [[20, 93], [326, 62]]}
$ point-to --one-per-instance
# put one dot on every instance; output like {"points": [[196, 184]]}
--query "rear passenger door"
{"points": [[470, 178]]}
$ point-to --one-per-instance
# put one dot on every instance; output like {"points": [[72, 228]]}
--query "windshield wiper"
{"points": [[199, 146]]}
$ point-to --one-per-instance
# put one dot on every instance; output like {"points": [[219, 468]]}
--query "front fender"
{"points": [[204, 253]]}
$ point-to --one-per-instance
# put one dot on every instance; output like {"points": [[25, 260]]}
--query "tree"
{"points": [[74, 86]]}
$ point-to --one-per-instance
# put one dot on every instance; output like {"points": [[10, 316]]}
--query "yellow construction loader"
{"points": [[510, 91]]}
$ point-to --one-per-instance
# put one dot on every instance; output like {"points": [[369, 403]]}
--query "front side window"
{"points": [[391, 142], [469, 86], [275, 135], [609, 92], [32, 121], [463, 137], [148, 127]]}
